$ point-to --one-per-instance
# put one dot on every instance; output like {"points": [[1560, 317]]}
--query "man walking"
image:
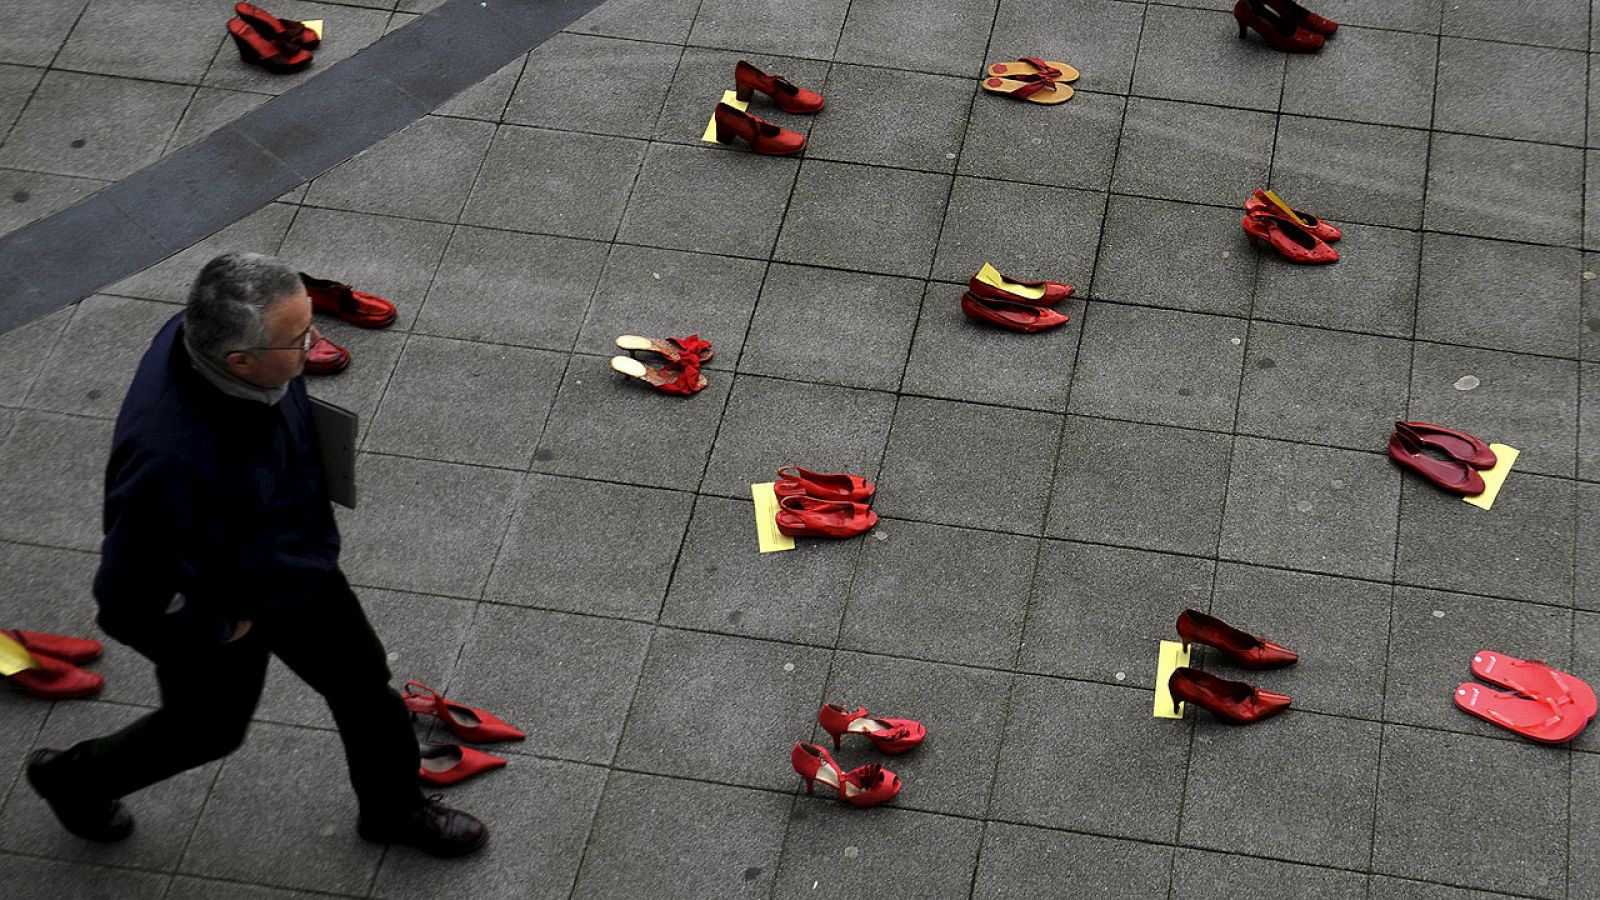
{"points": [[220, 550]]}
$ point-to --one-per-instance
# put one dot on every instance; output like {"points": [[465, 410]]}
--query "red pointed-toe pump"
{"points": [[287, 30], [1453, 443], [892, 736], [54, 679], [1031, 293], [1452, 475], [1279, 31], [326, 358], [1241, 649], [1292, 242], [1305, 18], [788, 97], [257, 49], [762, 136], [866, 786], [446, 764], [463, 721], [359, 308], [67, 649], [794, 481], [1024, 317], [1231, 701], [1258, 203], [809, 517]]}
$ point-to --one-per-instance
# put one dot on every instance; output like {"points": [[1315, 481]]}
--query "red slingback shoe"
{"points": [[258, 49], [1453, 443], [445, 764], [1258, 203], [1305, 18], [867, 786], [1231, 701], [359, 308], [1039, 293], [892, 736], [1024, 317], [53, 679], [809, 517], [1535, 680], [1453, 476], [789, 97], [762, 136], [1243, 650], [67, 649], [464, 721], [1292, 242], [794, 481], [286, 30], [326, 358], [1277, 30]]}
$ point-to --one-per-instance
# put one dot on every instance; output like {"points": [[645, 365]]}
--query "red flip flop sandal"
{"points": [[1536, 720], [1534, 679]]}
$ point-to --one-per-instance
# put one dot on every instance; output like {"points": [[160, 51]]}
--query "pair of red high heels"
{"points": [[277, 45], [56, 675], [868, 785], [1284, 24], [1231, 701], [1543, 704], [1458, 474], [763, 136], [1013, 303], [681, 374], [823, 504], [1296, 235], [359, 308], [444, 764]]}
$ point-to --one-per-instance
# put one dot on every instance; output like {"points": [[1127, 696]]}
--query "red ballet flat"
{"points": [[1241, 648], [287, 30], [867, 786], [794, 481], [762, 136], [1536, 720], [891, 736], [446, 764], [808, 517], [1231, 701], [463, 721], [67, 649], [1279, 31], [1258, 203], [1292, 242], [326, 358], [53, 679], [788, 97], [1453, 443], [257, 49], [359, 308], [1535, 680], [1456, 477], [1027, 293], [1024, 317]]}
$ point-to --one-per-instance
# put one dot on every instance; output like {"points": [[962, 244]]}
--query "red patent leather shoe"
{"points": [[1292, 242], [1279, 31], [1024, 317], [1028, 293], [445, 764], [788, 97], [808, 517], [1535, 680], [463, 721], [794, 481], [866, 786], [762, 136], [1258, 203], [891, 736], [1453, 443], [326, 358], [1231, 701], [1536, 720], [673, 378], [54, 679], [359, 308], [60, 646], [286, 30], [259, 50], [1305, 18], [674, 349], [1243, 650], [1456, 477]]}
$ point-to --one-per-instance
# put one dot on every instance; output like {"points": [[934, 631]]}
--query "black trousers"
{"points": [[208, 697]]}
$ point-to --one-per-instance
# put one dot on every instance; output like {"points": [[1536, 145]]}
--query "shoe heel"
{"points": [[836, 739], [1242, 30], [743, 92], [810, 783]]}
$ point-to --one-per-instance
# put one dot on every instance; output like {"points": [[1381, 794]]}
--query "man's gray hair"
{"points": [[227, 301]]}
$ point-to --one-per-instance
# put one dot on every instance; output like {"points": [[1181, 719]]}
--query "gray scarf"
{"points": [[231, 384]]}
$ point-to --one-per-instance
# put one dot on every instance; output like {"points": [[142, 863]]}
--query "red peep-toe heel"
{"points": [[464, 721], [892, 736], [258, 49], [869, 785], [809, 517], [794, 481]]}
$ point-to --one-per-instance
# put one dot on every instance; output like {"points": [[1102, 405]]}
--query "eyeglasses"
{"points": [[305, 341]]}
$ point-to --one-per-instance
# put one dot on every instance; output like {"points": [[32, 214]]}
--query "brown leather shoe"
{"points": [[91, 819], [433, 828]]}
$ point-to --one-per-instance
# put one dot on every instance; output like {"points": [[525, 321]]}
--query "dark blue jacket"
{"points": [[216, 509]]}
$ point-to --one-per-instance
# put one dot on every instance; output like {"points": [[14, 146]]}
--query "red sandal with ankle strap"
{"points": [[869, 785], [280, 57], [463, 721], [892, 736]]}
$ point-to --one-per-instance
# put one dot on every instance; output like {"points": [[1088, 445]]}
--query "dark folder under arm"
{"points": [[336, 444]]}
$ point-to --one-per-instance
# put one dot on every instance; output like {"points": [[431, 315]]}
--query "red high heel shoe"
{"points": [[891, 736], [1024, 317], [1243, 650], [673, 378], [762, 136], [1305, 18], [1258, 203], [1292, 242], [464, 721], [1453, 443], [794, 481], [1280, 32], [359, 308], [258, 49], [326, 358], [1535, 680], [1031, 293], [788, 97], [56, 680], [60, 646], [1536, 720], [674, 349], [1232, 701], [809, 517], [287, 30], [1453, 476], [866, 786], [446, 764]]}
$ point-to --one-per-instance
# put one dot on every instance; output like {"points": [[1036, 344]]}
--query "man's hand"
{"points": [[240, 630]]}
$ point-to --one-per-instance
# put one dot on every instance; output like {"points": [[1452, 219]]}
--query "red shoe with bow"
{"points": [[1024, 317], [1455, 444], [446, 764], [359, 308], [1292, 242], [678, 350], [809, 517], [673, 378], [286, 30], [867, 786], [794, 481], [1243, 650], [788, 97], [891, 736], [762, 136], [1258, 203], [1231, 701], [463, 721], [326, 358], [1452, 475], [53, 679], [67, 649]]}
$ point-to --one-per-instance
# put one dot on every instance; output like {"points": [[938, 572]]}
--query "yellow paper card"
{"points": [[767, 534], [1172, 656], [13, 658], [732, 99], [1283, 206], [1505, 457], [315, 25], [990, 275]]}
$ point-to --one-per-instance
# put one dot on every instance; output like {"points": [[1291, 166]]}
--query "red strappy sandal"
{"points": [[673, 378], [809, 517], [891, 736], [1536, 720], [867, 786], [674, 349], [1535, 680], [446, 764], [463, 721], [794, 481]]}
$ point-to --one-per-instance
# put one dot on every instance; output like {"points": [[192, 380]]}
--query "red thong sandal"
{"points": [[1536, 720], [1032, 88], [1535, 679], [1033, 65]]}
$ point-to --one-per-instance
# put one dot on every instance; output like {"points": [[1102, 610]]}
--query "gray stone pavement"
{"points": [[545, 539]]}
